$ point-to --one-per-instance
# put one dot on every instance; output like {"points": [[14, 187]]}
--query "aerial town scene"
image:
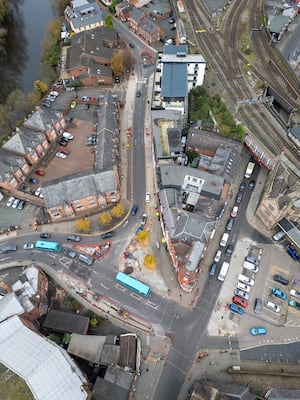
{"points": [[150, 200]]}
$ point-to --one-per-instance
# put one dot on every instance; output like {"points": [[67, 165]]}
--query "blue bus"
{"points": [[133, 284], [48, 246]]}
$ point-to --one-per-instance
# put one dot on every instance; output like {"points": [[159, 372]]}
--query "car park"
{"points": [[255, 331], [243, 286], [236, 309], [240, 302], [258, 306], [218, 256], [45, 235], [8, 248], [294, 304], [272, 306], [134, 210], [295, 293], [70, 253], [74, 238], [229, 250], [147, 197], [10, 201], [15, 203], [212, 269], [234, 211], [21, 205], [241, 293], [40, 172], [242, 187], [73, 104], [278, 293], [251, 185], [61, 155], [35, 181], [28, 246], [108, 235], [281, 279], [250, 267], [246, 280], [229, 225], [239, 198]]}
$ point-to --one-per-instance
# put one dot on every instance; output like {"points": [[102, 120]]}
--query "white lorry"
{"points": [[249, 170]]}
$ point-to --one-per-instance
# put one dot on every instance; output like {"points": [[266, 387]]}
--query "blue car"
{"points": [[258, 331], [35, 181], [139, 229], [278, 293], [236, 309], [294, 304]]}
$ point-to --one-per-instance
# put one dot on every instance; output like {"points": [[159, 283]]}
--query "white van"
{"points": [[223, 271], [224, 239]]}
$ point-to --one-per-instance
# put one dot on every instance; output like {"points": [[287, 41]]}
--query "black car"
{"points": [[239, 198], [70, 253], [242, 187], [108, 235], [229, 225], [63, 142], [45, 235], [251, 185], [229, 250], [281, 279], [131, 45]]}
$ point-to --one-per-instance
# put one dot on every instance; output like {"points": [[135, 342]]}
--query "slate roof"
{"points": [[66, 322], [9, 163], [128, 351], [23, 141], [43, 119], [174, 72], [136, 15], [78, 187], [148, 26], [86, 14]]}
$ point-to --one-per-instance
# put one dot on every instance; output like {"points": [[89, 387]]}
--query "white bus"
{"points": [[223, 271]]}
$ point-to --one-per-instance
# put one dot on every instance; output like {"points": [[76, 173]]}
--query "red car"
{"points": [[40, 172], [64, 151], [240, 302], [93, 99]]}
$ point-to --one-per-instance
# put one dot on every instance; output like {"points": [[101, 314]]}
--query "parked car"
{"points": [[70, 253], [73, 104], [218, 256], [278, 293], [241, 294], [28, 246], [243, 286], [252, 260], [295, 293], [38, 192], [63, 142], [93, 99], [40, 172], [50, 98], [64, 151], [138, 94], [35, 181], [279, 235], [294, 304], [45, 235], [258, 331], [144, 219], [21, 205], [46, 103], [67, 136], [15, 203], [131, 45], [250, 267], [242, 186], [171, 20], [292, 252], [234, 211], [229, 225], [54, 93], [139, 229], [108, 235], [61, 155], [281, 279], [74, 238], [258, 306], [147, 197], [10, 201], [236, 309], [240, 302], [229, 250], [246, 280], [239, 198], [213, 269], [272, 306], [251, 185]]}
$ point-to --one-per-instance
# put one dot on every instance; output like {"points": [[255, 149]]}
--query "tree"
{"points": [[40, 87], [109, 21], [117, 65], [105, 218], [143, 237], [83, 225], [150, 261], [128, 59], [118, 211]]}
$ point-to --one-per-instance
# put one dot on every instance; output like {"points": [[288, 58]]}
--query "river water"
{"points": [[20, 62]]}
